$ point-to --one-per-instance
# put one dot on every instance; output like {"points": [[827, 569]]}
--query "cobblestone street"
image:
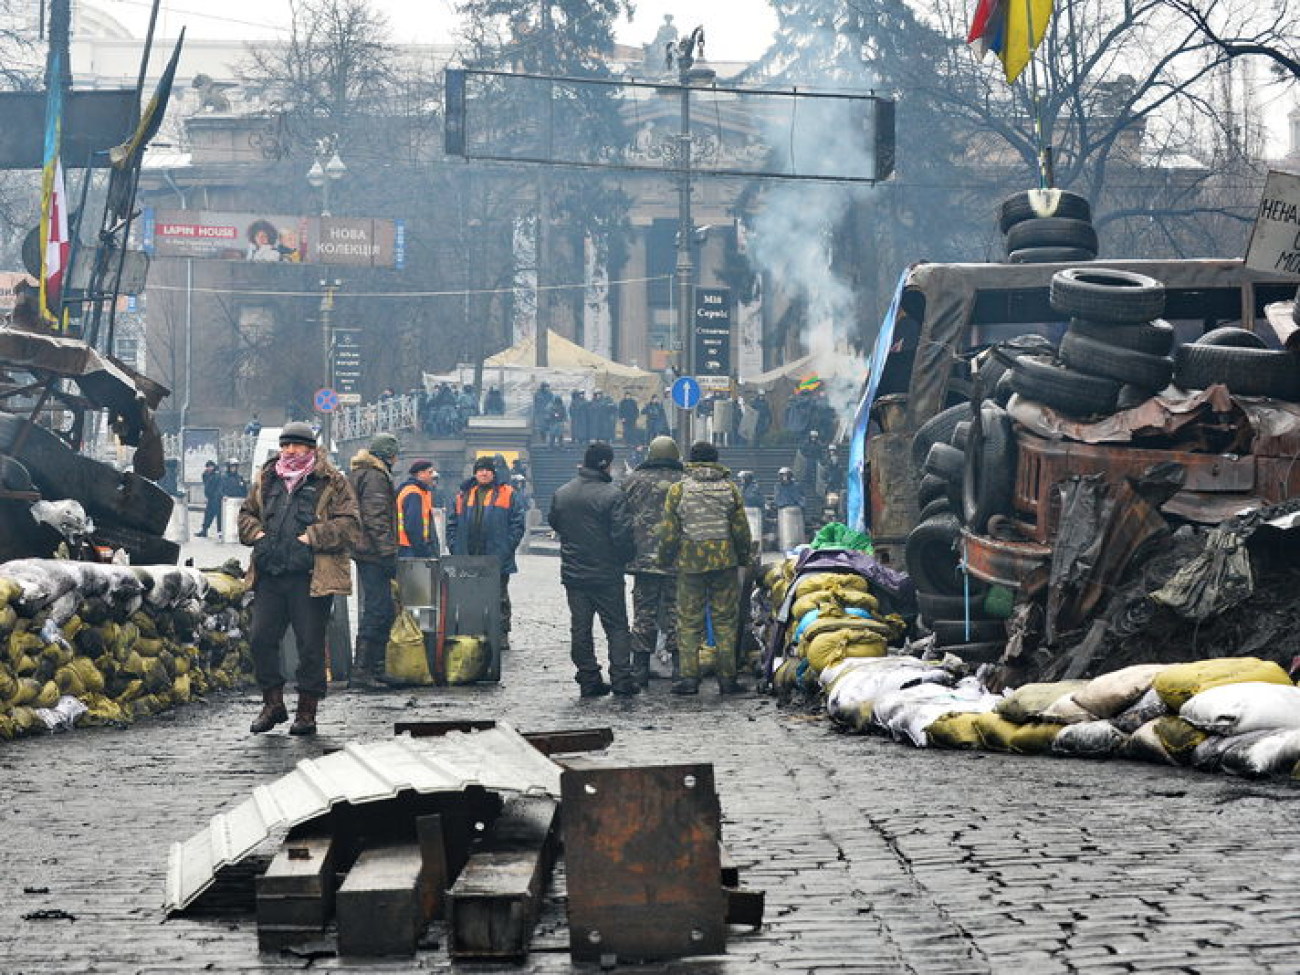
{"points": [[876, 857]]}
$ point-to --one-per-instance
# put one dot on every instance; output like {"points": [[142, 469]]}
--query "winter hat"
{"points": [[485, 463], [703, 452], [297, 432], [384, 446], [599, 455], [663, 448], [419, 465]]}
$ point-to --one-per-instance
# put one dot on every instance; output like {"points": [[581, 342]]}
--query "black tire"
{"points": [[1051, 255], [1096, 358], [931, 488], [979, 653], [1232, 338], [931, 556], [937, 429], [1153, 338], [1017, 208], [959, 434], [946, 461], [949, 632], [934, 606], [1003, 391], [939, 506], [142, 547], [1052, 232], [1106, 295], [13, 475], [1131, 397], [989, 481], [1074, 393], [1246, 372]]}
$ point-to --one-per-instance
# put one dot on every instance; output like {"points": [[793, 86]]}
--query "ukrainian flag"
{"points": [[1011, 29]]}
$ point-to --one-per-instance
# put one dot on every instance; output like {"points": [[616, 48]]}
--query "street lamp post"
{"points": [[327, 168]]}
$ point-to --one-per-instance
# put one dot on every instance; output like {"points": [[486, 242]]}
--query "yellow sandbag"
{"points": [[91, 679], [227, 588], [832, 581], [25, 691], [1035, 738], [405, 661], [1179, 737], [8, 619], [69, 682], [9, 591], [8, 729], [71, 628], [886, 628], [8, 684], [181, 665], [149, 646], [134, 664], [995, 731], [779, 591], [48, 696], [180, 693], [831, 647], [101, 710], [145, 624], [25, 666], [1179, 683], [466, 658], [1028, 702], [22, 644], [785, 679], [156, 678], [25, 720], [132, 692], [827, 601], [954, 731], [127, 634], [57, 654]]}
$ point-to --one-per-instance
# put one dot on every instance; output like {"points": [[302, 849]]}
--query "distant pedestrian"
{"points": [[301, 520], [233, 484], [488, 519], [656, 420], [211, 498], [375, 554], [494, 404], [417, 537], [750, 492], [654, 587], [590, 515], [706, 535], [628, 413]]}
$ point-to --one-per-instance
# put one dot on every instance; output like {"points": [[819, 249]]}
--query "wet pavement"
{"points": [[876, 857]]}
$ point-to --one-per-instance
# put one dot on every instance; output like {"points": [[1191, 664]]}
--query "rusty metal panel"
{"points": [[892, 491], [1002, 563], [642, 862]]}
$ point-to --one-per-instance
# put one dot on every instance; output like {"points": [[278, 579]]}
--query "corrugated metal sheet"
{"points": [[498, 759]]}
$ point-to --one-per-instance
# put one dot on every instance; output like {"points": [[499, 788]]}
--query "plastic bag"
{"points": [[836, 535], [405, 661], [466, 659]]}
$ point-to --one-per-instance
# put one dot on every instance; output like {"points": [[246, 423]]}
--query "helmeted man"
{"points": [[788, 492], [301, 520], [488, 519], [211, 498], [590, 515], [706, 535], [375, 555], [654, 588], [417, 538], [750, 492]]}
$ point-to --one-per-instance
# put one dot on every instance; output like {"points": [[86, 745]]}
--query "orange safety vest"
{"points": [[426, 514]]}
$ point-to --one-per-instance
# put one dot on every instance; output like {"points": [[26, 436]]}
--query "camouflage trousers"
{"points": [[718, 590], [654, 611]]}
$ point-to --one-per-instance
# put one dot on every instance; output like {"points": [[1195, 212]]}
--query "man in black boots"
{"points": [[371, 477]]}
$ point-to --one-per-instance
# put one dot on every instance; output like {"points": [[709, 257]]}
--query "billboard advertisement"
{"points": [[270, 238]]}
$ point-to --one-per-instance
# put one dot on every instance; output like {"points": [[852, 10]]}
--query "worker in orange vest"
{"points": [[417, 538]]}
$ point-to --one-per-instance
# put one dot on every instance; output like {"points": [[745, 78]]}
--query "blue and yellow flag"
{"points": [[1011, 29], [55, 245]]}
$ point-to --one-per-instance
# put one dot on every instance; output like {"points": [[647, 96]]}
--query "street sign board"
{"points": [[1275, 239], [326, 400], [345, 365], [712, 329], [686, 393]]}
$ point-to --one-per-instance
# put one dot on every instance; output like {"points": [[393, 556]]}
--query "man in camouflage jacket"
{"points": [[654, 589], [705, 534]]}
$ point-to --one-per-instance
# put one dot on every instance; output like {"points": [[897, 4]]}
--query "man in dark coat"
{"points": [[211, 498], [417, 538], [629, 413], [375, 554], [654, 587], [487, 518], [590, 515]]}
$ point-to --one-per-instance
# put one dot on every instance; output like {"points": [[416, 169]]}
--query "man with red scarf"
{"points": [[301, 520]]}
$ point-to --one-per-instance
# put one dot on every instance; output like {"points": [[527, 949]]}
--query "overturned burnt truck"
{"points": [[1122, 493], [51, 388]]}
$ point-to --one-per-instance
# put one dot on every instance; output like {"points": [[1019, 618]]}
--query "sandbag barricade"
{"points": [[85, 643]]}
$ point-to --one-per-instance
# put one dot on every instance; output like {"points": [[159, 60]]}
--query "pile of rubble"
{"points": [[88, 643]]}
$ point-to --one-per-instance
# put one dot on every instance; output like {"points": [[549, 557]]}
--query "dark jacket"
{"points": [[331, 533], [704, 527], [377, 506], [417, 538], [486, 521], [233, 485], [212, 485], [646, 488], [591, 516]]}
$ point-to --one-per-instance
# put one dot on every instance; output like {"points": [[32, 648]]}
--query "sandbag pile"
{"points": [[84, 643], [1233, 714]]}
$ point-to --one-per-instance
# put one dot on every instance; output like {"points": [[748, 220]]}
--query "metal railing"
{"points": [[387, 416]]}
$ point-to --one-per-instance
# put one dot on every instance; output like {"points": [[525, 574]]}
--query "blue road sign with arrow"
{"points": [[686, 392]]}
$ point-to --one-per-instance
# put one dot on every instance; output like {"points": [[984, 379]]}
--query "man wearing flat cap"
{"points": [[417, 538], [371, 477], [301, 519]]}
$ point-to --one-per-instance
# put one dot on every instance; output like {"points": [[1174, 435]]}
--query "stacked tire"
{"points": [[1240, 360], [1115, 353], [1047, 227]]}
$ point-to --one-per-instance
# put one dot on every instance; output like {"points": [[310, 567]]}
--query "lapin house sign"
{"points": [[273, 238]]}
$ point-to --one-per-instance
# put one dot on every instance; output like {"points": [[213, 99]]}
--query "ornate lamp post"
{"points": [[327, 168]]}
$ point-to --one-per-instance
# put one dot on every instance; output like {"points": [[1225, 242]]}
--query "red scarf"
{"points": [[294, 468]]}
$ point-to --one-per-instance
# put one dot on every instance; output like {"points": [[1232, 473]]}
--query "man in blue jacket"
{"points": [[487, 518]]}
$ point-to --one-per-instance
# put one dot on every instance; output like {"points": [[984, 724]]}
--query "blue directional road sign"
{"points": [[686, 392], [326, 400]]}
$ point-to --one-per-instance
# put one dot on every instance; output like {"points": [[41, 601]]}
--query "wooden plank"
{"points": [[295, 896], [642, 862], [492, 908], [378, 905], [434, 879], [547, 742]]}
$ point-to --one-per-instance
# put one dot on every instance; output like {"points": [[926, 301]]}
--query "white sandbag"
{"points": [[1234, 709], [1208, 755], [1144, 710], [1267, 753], [1109, 694], [851, 698], [42, 581], [1145, 745], [1066, 710], [1089, 739], [906, 713]]}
